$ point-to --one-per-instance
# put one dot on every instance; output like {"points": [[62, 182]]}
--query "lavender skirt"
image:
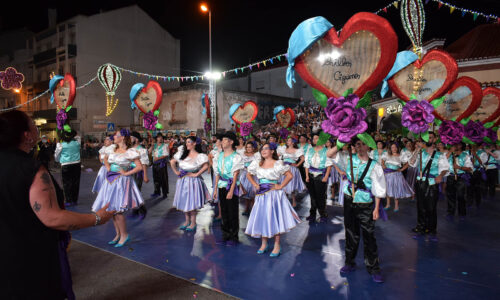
{"points": [[411, 176], [397, 187], [271, 214], [334, 176], [246, 185], [121, 194], [99, 181], [296, 185], [191, 193]]}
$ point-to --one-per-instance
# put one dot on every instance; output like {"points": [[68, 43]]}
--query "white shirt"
{"points": [[190, 164], [273, 173]]}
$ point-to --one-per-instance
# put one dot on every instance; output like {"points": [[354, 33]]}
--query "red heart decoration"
{"points": [[207, 105], [434, 66], [151, 92], [286, 117], [468, 91], [246, 112], [360, 57], [490, 106], [64, 93]]}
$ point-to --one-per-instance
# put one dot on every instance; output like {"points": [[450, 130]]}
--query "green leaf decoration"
{"points": [[365, 101], [159, 126], [368, 140], [320, 97], [487, 140], [413, 97], [467, 141], [425, 136], [348, 92], [323, 137], [454, 119], [402, 102], [68, 108], [495, 128], [340, 145], [437, 102], [437, 122], [208, 120], [405, 131], [465, 121], [498, 142], [438, 140], [67, 128], [156, 112], [489, 124]]}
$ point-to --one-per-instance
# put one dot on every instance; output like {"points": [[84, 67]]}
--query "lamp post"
{"points": [[212, 81]]}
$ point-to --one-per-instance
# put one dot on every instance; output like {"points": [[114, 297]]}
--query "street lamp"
{"points": [[212, 87]]}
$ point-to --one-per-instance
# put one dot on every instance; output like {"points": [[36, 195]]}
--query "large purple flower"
{"points": [[492, 135], [475, 131], [150, 120], [246, 129], [344, 120], [284, 133], [207, 126], [451, 132], [417, 115], [61, 118]]}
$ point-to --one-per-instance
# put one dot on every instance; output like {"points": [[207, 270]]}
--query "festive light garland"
{"points": [[475, 13]]}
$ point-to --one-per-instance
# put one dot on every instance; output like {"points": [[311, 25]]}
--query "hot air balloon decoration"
{"points": [[110, 77]]}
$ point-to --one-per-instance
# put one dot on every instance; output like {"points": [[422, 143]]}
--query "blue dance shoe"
{"points": [[191, 229], [122, 244], [263, 251], [183, 227], [113, 242], [273, 255]]}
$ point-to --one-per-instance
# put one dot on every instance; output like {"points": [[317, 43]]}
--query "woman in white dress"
{"points": [[247, 191], [293, 156], [101, 175]]}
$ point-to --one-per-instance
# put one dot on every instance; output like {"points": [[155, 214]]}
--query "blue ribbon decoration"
{"points": [[276, 111], [232, 110], [403, 59], [306, 34], [204, 111], [134, 91], [53, 84]]}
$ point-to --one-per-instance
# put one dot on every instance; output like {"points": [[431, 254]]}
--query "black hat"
{"points": [[159, 134], [232, 136], [137, 135]]}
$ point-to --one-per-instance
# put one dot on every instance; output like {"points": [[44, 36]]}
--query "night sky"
{"points": [[247, 31]]}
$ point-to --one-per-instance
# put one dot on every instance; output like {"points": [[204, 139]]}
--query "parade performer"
{"points": [[432, 167], [457, 180], [394, 163], [318, 167], [68, 155], [361, 208], [334, 178], [304, 145], [191, 192], [293, 156], [488, 158], [411, 172], [141, 176], [160, 172], [228, 166], [101, 175], [246, 188], [478, 176], [272, 214], [376, 154], [119, 190], [212, 159]]}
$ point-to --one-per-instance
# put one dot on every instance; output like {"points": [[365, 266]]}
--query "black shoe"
{"points": [[417, 230]]}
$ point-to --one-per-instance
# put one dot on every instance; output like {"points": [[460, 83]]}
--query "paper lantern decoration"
{"points": [[245, 113], [148, 99], [358, 58], [11, 79], [461, 101], [489, 110], [428, 78], [413, 19], [110, 77], [286, 117]]}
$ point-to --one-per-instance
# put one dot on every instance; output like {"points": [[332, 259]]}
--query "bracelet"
{"points": [[97, 219]]}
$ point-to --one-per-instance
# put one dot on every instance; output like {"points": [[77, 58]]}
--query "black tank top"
{"points": [[29, 259]]}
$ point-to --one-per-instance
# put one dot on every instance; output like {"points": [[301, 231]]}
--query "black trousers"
{"points": [[230, 215], [302, 171], [455, 193], [71, 181], [491, 181], [360, 216], [427, 198], [160, 178], [474, 190], [317, 193]]}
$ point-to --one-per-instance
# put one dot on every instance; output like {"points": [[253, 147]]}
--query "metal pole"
{"points": [[212, 85]]}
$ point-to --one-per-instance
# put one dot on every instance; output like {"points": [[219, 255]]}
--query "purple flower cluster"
{"points": [[61, 118], [451, 132], [246, 129], [150, 120], [284, 133], [475, 131], [344, 120], [417, 115]]}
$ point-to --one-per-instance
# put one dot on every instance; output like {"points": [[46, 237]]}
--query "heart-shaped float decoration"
{"points": [[286, 117], [65, 91], [150, 97], [489, 110], [461, 101], [428, 78], [359, 58], [245, 113]]}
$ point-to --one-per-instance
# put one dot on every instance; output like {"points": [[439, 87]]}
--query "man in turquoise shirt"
{"points": [[457, 180]]}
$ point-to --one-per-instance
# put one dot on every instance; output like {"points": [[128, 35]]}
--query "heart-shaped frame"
{"points": [[460, 85], [286, 117], [150, 97], [489, 110], [359, 58], [65, 92], [245, 113], [433, 67]]}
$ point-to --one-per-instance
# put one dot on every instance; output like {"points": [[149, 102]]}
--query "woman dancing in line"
{"points": [[377, 153], [141, 176], [247, 191], [411, 172], [101, 175], [293, 156], [212, 158], [119, 189], [397, 187], [272, 214], [190, 191]]}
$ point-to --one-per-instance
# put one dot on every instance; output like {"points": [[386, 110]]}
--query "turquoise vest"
{"points": [[376, 156], [70, 152], [358, 168], [228, 166], [434, 171], [322, 154], [460, 162]]}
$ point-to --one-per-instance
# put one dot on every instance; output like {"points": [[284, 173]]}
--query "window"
{"points": [[72, 38], [49, 45], [73, 69], [61, 70], [61, 41], [39, 48]]}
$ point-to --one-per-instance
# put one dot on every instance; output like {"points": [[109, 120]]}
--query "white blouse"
{"points": [[104, 151], [190, 164], [143, 153], [397, 161], [123, 160], [291, 156], [274, 173], [249, 159]]}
